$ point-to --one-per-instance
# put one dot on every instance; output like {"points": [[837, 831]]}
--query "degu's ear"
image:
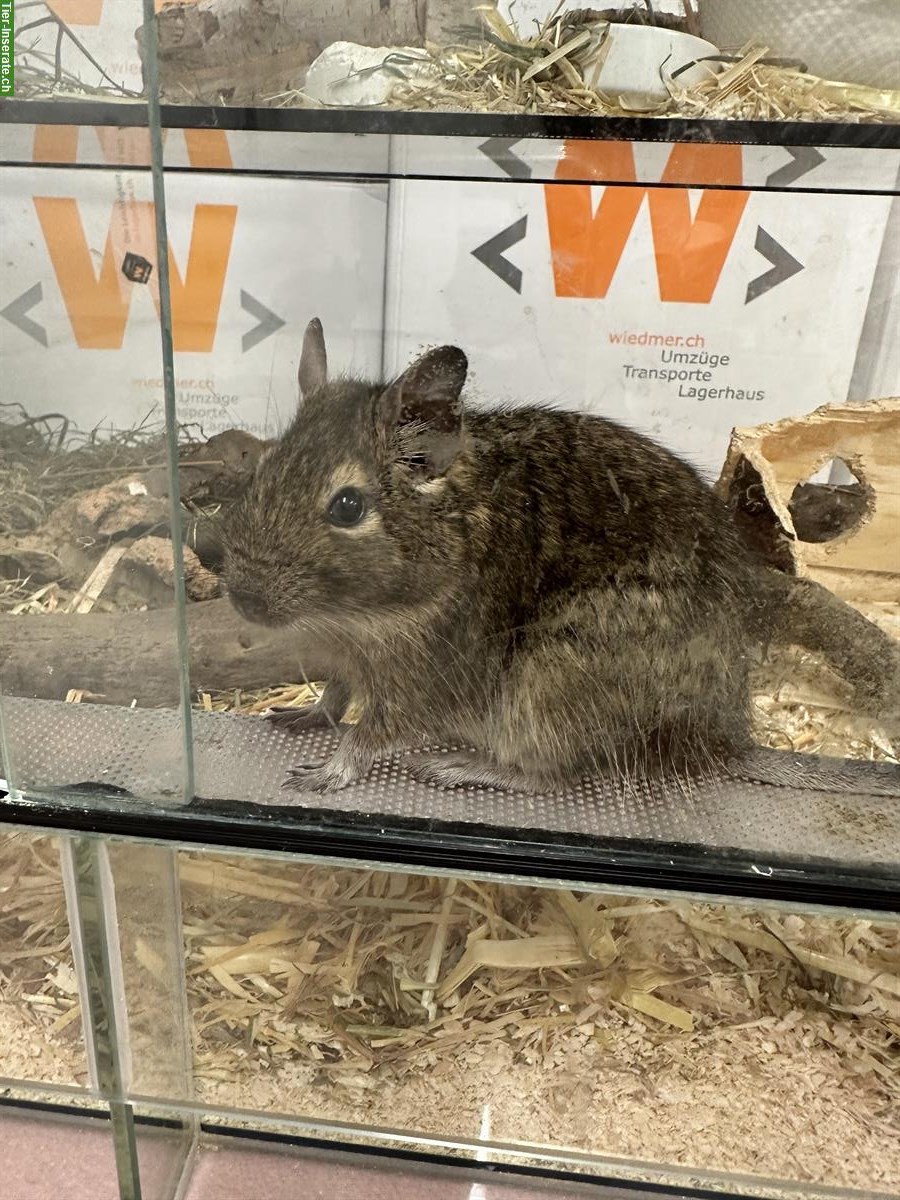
{"points": [[424, 407], [313, 372]]}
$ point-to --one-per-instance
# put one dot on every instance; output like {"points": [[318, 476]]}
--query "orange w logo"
{"points": [[690, 251], [98, 302]]}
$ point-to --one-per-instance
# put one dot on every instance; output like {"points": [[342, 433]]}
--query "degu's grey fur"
{"points": [[548, 587]]}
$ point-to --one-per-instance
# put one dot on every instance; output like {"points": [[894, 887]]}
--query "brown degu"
{"points": [[550, 588]]}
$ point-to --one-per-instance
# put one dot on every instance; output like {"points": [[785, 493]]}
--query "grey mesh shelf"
{"points": [[730, 837]]}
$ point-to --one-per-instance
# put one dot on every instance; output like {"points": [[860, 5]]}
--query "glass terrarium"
{"points": [[680, 219]]}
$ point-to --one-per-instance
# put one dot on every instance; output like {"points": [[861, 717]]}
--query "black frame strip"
{"points": [[426, 844], [357, 176], [400, 1155], [132, 114]]}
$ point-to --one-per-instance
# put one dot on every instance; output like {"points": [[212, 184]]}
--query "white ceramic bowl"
{"points": [[633, 62]]}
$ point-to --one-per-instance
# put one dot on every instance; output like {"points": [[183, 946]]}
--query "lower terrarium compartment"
{"points": [[716, 1038]]}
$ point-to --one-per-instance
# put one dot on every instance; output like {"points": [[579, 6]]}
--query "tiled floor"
{"points": [[44, 1156], [47, 1157]]}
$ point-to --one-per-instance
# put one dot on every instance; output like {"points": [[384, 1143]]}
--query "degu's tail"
{"points": [[793, 611], [816, 772]]}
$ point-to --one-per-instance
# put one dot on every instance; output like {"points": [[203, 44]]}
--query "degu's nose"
{"points": [[249, 604]]}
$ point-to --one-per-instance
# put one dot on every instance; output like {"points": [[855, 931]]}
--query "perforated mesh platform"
{"points": [[246, 759]]}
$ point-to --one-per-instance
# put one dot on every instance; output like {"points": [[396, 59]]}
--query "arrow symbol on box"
{"points": [[269, 322], [499, 151], [804, 160], [15, 313], [491, 254], [784, 266]]}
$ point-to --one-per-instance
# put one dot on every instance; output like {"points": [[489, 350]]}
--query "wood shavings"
{"points": [[875, 974], [799, 706], [438, 948]]}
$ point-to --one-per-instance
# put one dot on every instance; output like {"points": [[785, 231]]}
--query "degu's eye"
{"points": [[347, 507]]}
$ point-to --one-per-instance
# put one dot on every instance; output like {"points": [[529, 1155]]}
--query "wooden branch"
{"points": [[131, 656]]}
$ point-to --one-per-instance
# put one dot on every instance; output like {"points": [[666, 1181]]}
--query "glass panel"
{"points": [[59, 1109], [88, 577], [149, 936], [277, 144], [549, 647], [126, 900], [551, 1021], [50, 1153], [42, 1037], [242, 1164], [668, 285], [682, 313], [164, 1155]]}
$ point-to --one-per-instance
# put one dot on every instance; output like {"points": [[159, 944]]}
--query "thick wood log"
{"points": [[132, 656]]}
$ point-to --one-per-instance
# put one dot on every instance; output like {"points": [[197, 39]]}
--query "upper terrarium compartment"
{"points": [[811, 60], [663, 58]]}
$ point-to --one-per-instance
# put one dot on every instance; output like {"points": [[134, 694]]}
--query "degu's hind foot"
{"points": [[469, 769]]}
